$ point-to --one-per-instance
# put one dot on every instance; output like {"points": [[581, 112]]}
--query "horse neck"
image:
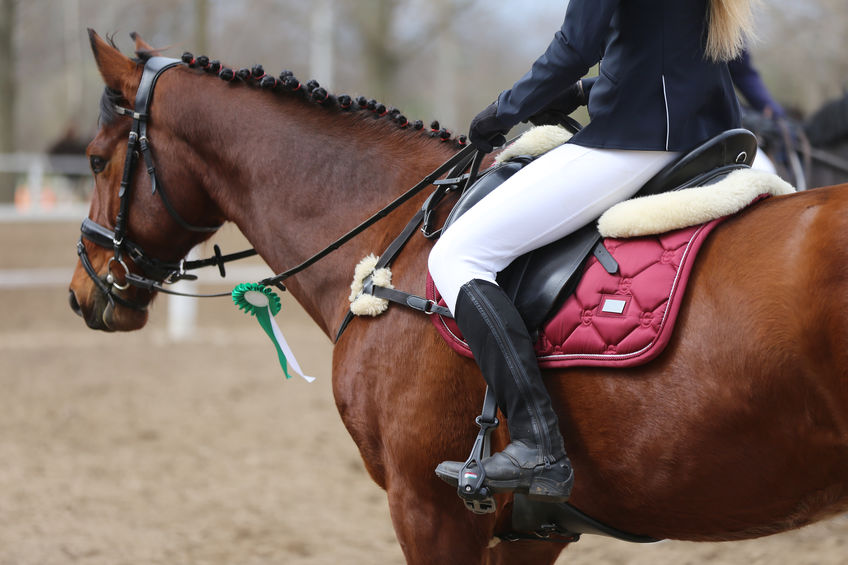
{"points": [[294, 177]]}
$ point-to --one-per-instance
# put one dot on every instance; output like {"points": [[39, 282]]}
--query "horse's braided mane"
{"points": [[286, 83], [829, 124]]}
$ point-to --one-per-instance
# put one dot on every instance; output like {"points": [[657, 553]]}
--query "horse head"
{"points": [[124, 235]]}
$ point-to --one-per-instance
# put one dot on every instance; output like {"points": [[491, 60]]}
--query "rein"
{"points": [[460, 158], [158, 273]]}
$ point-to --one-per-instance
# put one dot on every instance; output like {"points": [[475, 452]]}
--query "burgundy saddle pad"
{"points": [[617, 320]]}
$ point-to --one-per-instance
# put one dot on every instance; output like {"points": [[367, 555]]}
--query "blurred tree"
{"points": [[392, 33], [201, 26], [322, 42], [801, 51], [446, 70], [7, 93], [380, 55]]}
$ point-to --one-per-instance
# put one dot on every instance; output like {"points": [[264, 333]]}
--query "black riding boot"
{"points": [[534, 463]]}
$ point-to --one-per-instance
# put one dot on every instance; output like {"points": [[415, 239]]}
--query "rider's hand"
{"points": [[487, 131]]}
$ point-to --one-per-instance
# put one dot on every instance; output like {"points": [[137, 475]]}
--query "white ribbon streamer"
{"points": [[286, 349]]}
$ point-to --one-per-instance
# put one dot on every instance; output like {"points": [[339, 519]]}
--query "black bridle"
{"points": [[155, 272]]}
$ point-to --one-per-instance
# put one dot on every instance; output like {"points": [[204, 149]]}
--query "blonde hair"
{"points": [[730, 23]]}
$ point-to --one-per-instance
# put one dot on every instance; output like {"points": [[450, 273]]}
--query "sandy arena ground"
{"points": [[135, 449]]}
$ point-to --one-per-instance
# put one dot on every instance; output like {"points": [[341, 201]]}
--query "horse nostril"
{"points": [[72, 299]]}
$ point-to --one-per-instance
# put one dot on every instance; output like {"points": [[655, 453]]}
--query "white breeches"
{"points": [[763, 163], [556, 194]]}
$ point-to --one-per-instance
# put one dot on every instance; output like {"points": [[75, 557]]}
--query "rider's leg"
{"points": [[555, 195], [534, 462]]}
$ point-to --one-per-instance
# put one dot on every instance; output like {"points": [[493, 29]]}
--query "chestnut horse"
{"points": [[738, 430]]}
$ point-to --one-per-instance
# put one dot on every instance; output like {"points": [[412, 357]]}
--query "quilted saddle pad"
{"points": [[619, 320]]}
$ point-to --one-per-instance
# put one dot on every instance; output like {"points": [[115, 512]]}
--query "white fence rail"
{"points": [[47, 187]]}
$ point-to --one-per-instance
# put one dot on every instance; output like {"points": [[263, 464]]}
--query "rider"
{"points": [[664, 88]]}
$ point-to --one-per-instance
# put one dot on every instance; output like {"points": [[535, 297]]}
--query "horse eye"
{"points": [[97, 163]]}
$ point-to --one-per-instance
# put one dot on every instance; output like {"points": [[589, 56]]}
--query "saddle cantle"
{"points": [[539, 281]]}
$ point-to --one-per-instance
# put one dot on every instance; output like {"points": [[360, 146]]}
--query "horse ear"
{"points": [[142, 48], [119, 72]]}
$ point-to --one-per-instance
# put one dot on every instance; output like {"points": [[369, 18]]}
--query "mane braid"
{"points": [[312, 92]]}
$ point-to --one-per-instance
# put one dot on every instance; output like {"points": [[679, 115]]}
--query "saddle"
{"points": [[541, 280]]}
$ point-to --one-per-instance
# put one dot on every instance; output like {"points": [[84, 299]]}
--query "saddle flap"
{"points": [[541, 279]]}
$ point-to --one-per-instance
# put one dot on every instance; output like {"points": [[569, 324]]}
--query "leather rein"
{"points": [[158, 273]]}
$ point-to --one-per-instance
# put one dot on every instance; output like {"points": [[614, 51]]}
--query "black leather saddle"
{"points": [[541, 280]]}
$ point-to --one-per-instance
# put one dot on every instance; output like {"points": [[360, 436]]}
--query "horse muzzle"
{"points": [[101, 314], [102, 305]]}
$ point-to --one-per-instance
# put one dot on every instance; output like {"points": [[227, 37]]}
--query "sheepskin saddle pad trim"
{"points": [[667, 211], [534, 142], [613, 320]]}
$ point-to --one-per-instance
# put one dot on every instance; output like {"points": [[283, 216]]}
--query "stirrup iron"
{"points": [[470, 488]]}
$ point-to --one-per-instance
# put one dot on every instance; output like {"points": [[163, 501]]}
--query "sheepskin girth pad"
{"points": [[362, 304]]}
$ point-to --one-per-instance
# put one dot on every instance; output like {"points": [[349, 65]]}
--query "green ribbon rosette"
{"points": [[261, 302]]}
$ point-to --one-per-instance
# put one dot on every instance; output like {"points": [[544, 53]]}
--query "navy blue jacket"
{"points": [[656, 89]]}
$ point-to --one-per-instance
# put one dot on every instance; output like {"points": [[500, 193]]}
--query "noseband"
{"points": [[154, 270]]}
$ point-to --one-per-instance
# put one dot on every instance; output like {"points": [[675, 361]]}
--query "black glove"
{"points": [[487, 131], [556, 113]]}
